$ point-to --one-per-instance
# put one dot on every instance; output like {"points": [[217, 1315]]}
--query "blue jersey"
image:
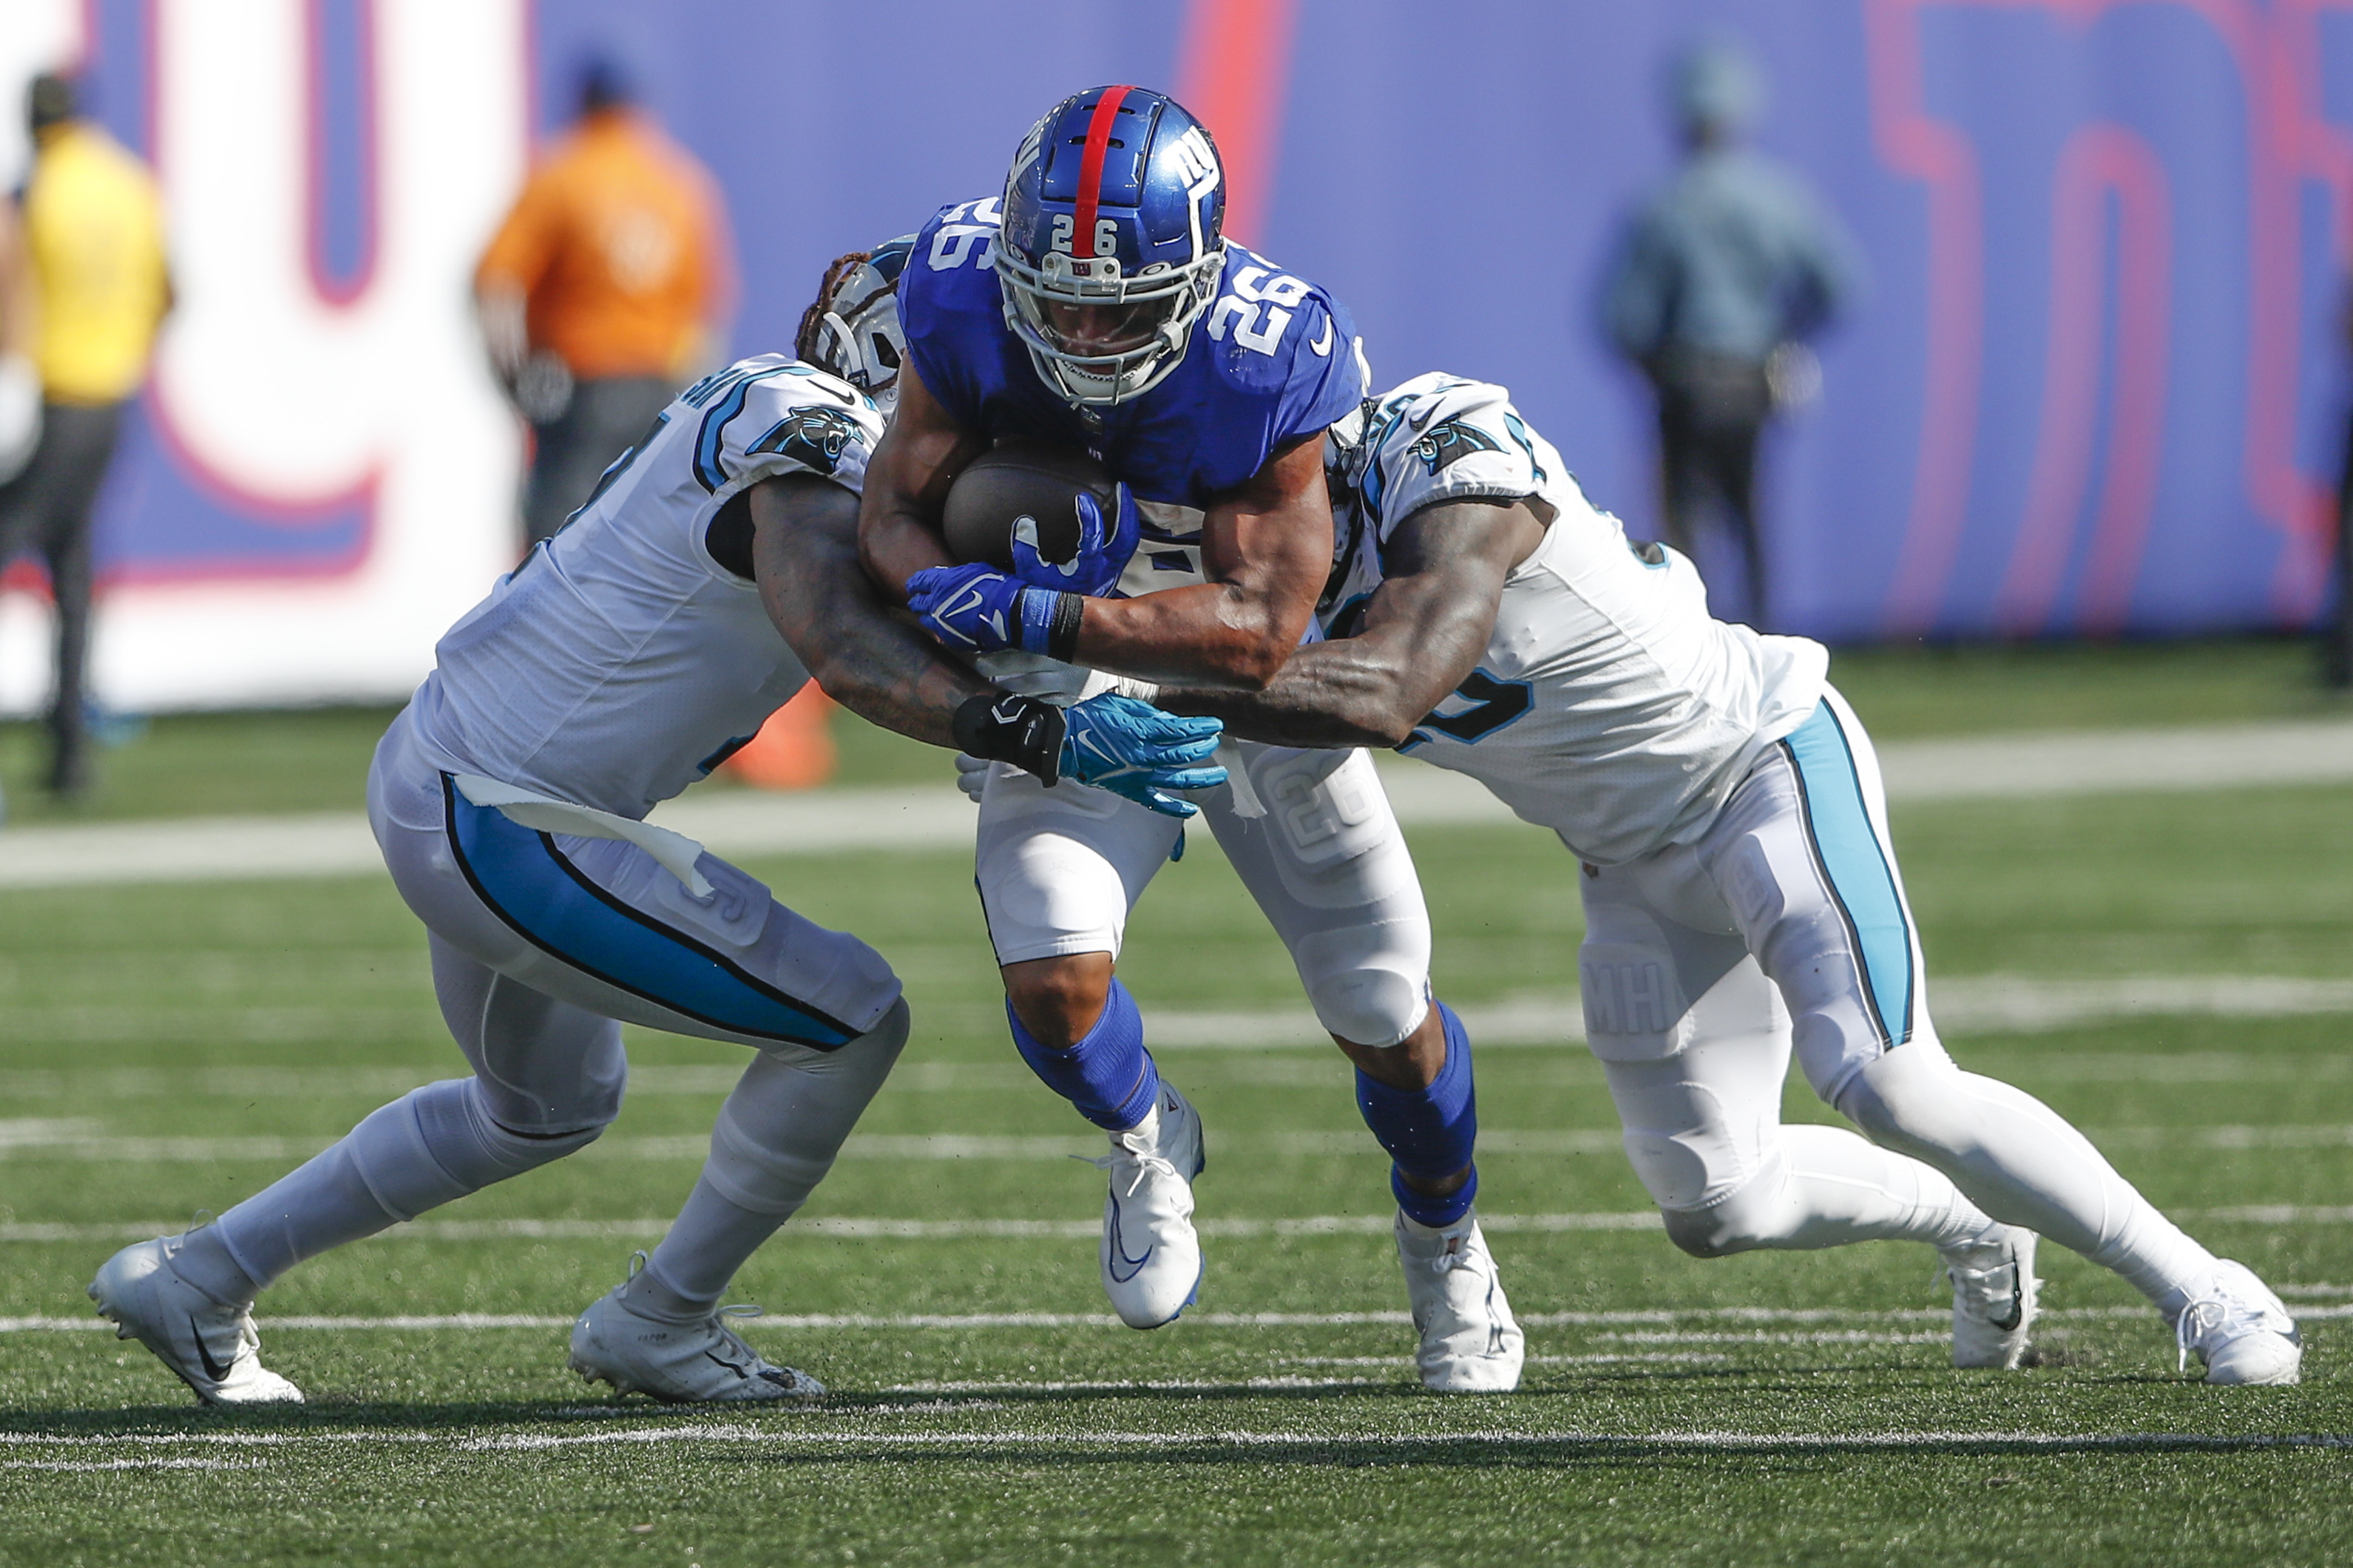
{"points": [[1273, 359]]}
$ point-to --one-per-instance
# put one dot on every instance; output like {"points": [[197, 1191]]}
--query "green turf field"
{"points": [[169, 1049]]}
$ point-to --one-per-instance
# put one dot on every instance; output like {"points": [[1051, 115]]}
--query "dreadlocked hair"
{"points": [[805, 341]]}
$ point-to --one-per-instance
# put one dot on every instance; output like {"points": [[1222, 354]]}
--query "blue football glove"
{"points": [[978, 609], [1106, 546], [1135, 750]]}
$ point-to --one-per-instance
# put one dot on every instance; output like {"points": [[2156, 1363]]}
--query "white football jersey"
{"points": [[620, 662], [1609, 706]]}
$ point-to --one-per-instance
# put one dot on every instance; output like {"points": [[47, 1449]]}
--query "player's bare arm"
{"points": [[874, 662], [1424, 629], [804, 556], [1265, 547], [907, 482]]}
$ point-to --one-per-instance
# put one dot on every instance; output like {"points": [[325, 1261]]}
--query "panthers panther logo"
{"points": [[813, 437], [1447, 444]]}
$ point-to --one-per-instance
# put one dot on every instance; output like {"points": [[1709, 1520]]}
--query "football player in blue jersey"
{"points": [[714, 570], [1096, 304]]}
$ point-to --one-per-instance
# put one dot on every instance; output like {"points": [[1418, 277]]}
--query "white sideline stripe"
{"points": [[865, 1321], [1073, 1229], [82, 1139], [930, 817]]}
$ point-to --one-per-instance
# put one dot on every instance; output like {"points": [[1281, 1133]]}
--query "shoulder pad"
{"points": [[1439, 437], [771, 415]]}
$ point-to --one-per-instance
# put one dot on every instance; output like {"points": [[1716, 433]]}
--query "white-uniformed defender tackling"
{"points": [[1741, 892], [714, 569]]}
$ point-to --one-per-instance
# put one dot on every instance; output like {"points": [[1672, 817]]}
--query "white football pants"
{"points": [[541, 945], [1784, 927], [1059, 868]]}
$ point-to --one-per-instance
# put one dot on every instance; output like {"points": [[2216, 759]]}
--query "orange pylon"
{"points": [[794, 750]]}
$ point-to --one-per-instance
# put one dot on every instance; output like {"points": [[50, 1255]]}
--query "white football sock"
{"points": [[776, 1139], [431, 1145], [2026, 1166]]}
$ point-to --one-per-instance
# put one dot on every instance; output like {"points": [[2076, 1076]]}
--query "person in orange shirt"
{"points": [[603, 291]]}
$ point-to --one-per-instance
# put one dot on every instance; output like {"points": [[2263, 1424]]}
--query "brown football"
{"points": [[1018, 480]]}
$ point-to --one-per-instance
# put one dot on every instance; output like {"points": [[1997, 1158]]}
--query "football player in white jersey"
{"points": [[712, 571], [1741, 893]]}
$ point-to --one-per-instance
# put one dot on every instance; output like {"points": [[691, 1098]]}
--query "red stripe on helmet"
{"points": [[1091, 163]]}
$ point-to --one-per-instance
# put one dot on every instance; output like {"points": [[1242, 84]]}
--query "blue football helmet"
{"points": [[1110, 247], [853, 329]]}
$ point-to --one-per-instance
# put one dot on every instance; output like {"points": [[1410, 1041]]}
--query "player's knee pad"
{"points": [[1752, 1214], [1369, 983], [787, 1117], [1693, 1155]]}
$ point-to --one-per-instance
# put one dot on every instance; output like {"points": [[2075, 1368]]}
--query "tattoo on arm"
{"points": [[1423, 631], [867, 656]]}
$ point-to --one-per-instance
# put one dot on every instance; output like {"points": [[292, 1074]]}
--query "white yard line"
{"points": [[1665, 1317], [935, 816], [80, 1140]]}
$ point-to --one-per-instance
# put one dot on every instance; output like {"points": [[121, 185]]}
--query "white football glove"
{"points": [[21, 414], [972, 774]]}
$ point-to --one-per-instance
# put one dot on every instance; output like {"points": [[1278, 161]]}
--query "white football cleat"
{"points": [[1151, 1254], [2241, 1331], [1994, 1292], [212, 1348], [702, 1362], [1469, 1343]]}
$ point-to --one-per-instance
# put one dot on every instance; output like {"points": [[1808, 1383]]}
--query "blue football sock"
{"points": [[1108, 1074], [1429, 1133]]}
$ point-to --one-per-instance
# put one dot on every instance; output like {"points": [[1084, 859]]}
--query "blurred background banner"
{"points": [[2094, 385]]}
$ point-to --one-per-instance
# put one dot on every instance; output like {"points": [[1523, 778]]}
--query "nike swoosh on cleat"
{"points": [[1119, 1250], [212, 1368], [2017, 1305], [730, 1365]]}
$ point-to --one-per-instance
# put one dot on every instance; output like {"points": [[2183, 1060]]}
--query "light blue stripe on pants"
{"points": [[1855, 865]]}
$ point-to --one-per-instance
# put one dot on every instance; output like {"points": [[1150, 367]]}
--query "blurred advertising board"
{"points": [[2095, 385]]}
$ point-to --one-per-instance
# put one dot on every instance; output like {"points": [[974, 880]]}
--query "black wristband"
{"points": [[1062, 631], [1017, 730]]}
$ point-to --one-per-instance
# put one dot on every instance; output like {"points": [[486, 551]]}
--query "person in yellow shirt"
{"points": [[90, 271], [601, 293]]}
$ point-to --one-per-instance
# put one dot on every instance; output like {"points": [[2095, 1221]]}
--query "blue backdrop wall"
{"points": [[2094, 387]]}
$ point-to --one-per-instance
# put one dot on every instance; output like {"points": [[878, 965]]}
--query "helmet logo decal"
{"points": [[1090, 162], [1197, 161], [1117, 207]]}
